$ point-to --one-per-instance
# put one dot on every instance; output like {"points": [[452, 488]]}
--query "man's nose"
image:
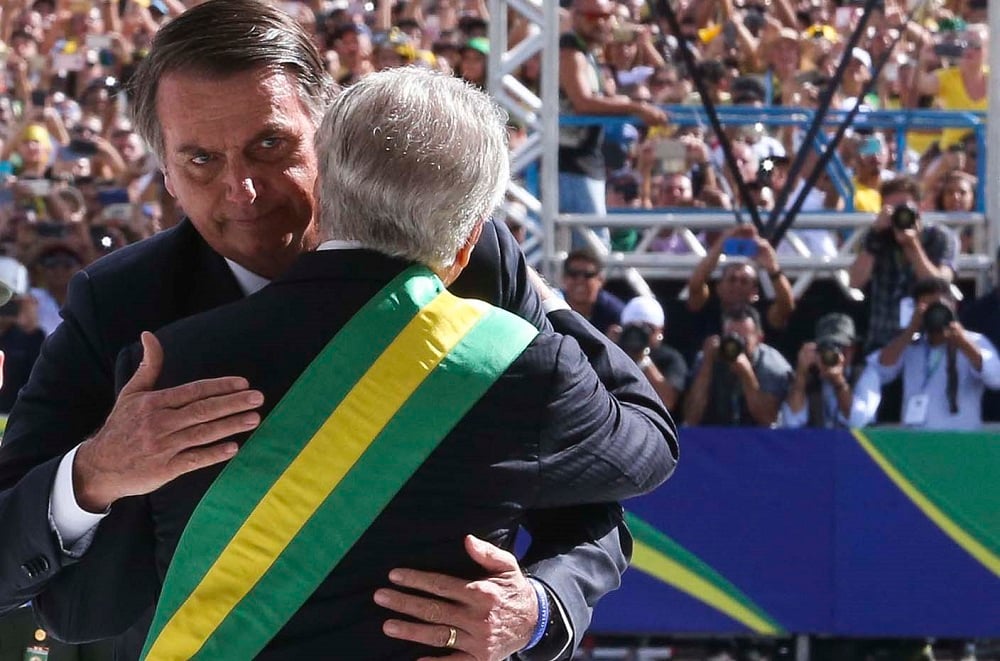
{"points": [[240, 186]]}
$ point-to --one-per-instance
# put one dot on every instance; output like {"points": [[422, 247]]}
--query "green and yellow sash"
{"points": [[321, 467]]}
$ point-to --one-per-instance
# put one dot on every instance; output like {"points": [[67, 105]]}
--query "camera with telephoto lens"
{"points": [[829, 354], [731, 346], [635, 339], [904, 217], [937, 317]]}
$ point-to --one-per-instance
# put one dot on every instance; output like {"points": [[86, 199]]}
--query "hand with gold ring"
{"points": [[452, 637], [483, 620]]}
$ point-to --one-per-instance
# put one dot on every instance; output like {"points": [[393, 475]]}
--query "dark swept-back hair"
{"points": [[741, 312], [901, 183], [221, 38], [926, 286]]}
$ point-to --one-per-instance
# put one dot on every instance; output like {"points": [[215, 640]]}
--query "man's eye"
{"points": [[200, 159], [270, 143]]}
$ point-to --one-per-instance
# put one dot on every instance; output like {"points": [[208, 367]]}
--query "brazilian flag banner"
{"points": [[325, 462], [871, 533]]}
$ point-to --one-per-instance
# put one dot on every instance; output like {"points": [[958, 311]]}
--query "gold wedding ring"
{"points": [[452, 637]]}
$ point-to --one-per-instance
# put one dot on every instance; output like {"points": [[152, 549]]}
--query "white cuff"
{"points": [[69, 520], [554, 303]]}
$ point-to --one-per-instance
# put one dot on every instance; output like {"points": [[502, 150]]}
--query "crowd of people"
{"points": [[79, 182], [925, 362], [623, 59]]}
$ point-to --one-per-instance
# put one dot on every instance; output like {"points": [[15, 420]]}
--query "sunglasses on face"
{"points": [[573, 274]]}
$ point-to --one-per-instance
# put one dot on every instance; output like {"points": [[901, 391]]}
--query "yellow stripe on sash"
{"points": [[317, 470]]}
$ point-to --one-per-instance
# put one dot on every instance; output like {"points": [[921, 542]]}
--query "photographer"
{"points": [[821, 395], [739, 380], [20, 337], [897, 251], [641, 337], [945, 369]]}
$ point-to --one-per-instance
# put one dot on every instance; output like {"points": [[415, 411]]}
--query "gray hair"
{"points": [[410, 162], [221, 38]]}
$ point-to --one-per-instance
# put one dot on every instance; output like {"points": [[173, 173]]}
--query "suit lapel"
{"points": [[204, 279]]}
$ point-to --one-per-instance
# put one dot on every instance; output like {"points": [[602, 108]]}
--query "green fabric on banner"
{"points": [[954, 470]]}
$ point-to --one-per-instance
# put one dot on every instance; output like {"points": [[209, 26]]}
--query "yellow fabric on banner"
{"points": [[950, 528], [316, 471], [673, 573]]}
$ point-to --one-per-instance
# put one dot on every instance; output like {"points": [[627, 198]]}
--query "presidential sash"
{"points": [[321, 467]]}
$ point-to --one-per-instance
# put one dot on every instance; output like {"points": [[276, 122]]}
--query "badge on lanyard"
{"points": [[916, 409]]}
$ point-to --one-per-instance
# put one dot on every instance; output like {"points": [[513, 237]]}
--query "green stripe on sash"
{"points": [[343, 426]]}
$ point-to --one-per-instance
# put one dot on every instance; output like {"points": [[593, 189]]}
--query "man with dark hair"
{"points": [[945, 368], [583, 287], [748, 258], [897, 251], [388, 436], [229, 98], [739, 381]]}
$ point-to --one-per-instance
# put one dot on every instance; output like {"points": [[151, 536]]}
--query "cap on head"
{"points": [[862, 56], [835, 328], [13, 279], [643, 310]]}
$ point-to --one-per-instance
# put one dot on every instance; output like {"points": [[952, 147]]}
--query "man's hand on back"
{"points": [[494, 617], [154, 436]]}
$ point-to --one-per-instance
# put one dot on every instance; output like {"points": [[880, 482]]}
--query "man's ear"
{"points": [[167, 183], [464, 253], [450, 274]]}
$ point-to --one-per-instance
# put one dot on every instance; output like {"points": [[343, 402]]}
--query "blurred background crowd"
{"points": [[76, 182]]}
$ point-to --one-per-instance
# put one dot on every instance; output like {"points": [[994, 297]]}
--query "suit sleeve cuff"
{"points": [[73, 525], [556, 641]]}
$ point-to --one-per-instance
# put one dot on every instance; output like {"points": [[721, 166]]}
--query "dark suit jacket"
{"points": [[547, 435], [171, 276]]}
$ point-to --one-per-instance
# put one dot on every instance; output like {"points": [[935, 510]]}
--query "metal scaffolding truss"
{"points": [[548, 231]]}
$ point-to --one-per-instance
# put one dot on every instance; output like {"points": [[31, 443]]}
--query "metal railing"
{"points": [[801, 265]]}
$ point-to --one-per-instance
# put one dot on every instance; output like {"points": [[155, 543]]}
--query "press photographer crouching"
{"points": [[822, 395], [945, 367], [739, 380], [897, 251], [641, 337]]}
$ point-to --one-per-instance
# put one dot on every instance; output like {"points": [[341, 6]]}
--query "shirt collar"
{"points": [[250, 283], [338, 244]]}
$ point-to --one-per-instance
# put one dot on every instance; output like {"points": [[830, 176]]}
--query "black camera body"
{"points": [[829, 354], [951, 48], [904, 217], [635, 338], [731, 346], [937, 317]]}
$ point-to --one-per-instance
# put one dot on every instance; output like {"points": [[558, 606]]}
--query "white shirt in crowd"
{"points": [[925, 382]]}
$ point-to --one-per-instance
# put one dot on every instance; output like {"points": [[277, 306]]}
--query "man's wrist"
{"points": [[840, 385], [544, 615]]}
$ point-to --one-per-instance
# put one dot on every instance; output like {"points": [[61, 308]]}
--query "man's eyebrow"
{"points": [[269, 130]]}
